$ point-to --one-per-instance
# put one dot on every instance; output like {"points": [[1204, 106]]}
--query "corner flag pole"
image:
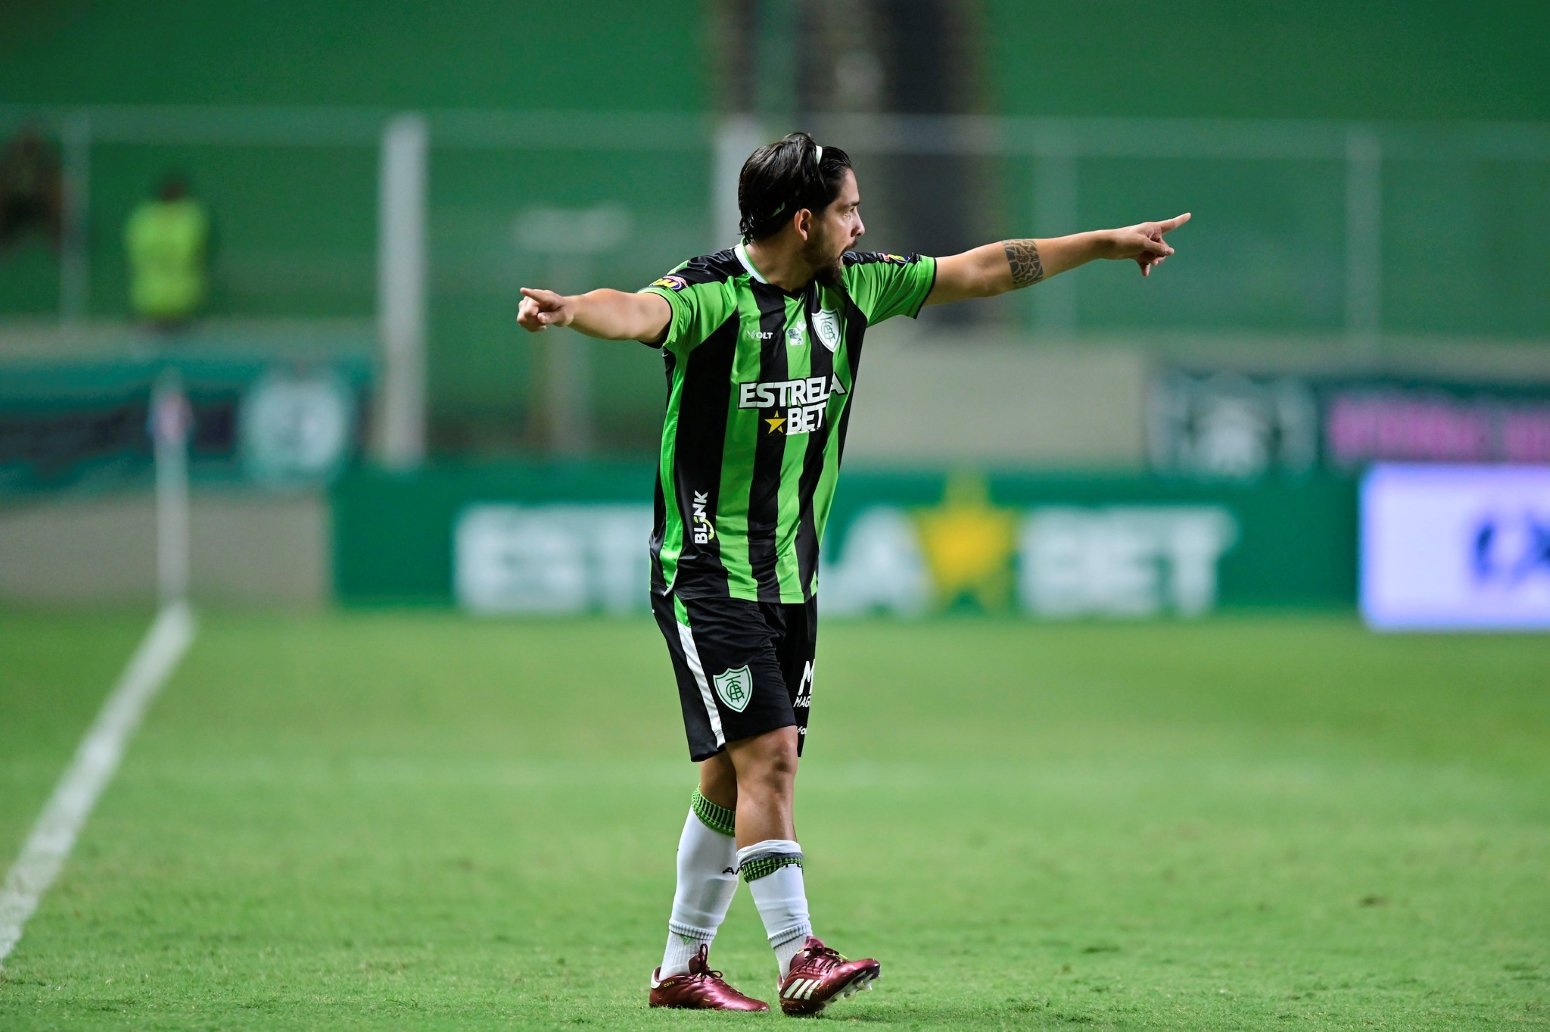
{"points": [[171, 420], [400, 417]]}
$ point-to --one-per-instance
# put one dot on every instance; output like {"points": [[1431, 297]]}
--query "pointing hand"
{"points": [[1144, 243], [541, 309]]}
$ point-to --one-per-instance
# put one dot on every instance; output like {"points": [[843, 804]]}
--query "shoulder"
{"points": [[853, 258], [707, 268]]}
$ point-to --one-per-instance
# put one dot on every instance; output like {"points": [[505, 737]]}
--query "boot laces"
{"points": [[823, 958], [700, 967]]}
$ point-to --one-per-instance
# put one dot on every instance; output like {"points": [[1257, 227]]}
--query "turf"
{"points": [[400, 820]]}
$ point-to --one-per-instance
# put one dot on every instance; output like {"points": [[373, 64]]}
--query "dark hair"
{"points": [[781, 178]]}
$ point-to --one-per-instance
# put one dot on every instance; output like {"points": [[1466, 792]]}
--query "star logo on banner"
{"points": [[968, 544], [776, 423]]}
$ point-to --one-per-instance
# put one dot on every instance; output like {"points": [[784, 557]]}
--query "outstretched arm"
{"points": [[1010, 264], [608, 314]]}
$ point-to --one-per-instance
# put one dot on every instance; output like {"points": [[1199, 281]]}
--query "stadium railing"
{"points": [[1314, 227]]}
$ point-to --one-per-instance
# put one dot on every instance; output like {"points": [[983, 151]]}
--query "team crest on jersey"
{"points": [[735, 687], [673, 283], [827, 325]]}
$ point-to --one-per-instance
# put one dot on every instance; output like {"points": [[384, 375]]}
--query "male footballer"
{"points": [[762, 344]]}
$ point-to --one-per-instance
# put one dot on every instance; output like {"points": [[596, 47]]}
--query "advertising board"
{"points": [[552, 558], [269, 409], [1061, 561], [1455, 547], [571, 538], [1226, 425]]}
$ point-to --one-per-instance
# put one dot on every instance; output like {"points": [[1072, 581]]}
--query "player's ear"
{"points": [[803, 221]]}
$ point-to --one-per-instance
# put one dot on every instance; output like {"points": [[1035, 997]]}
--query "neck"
{"points": [[779, 260]]}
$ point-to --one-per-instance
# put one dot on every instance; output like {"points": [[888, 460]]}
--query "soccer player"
{"points": [[762, 344]]}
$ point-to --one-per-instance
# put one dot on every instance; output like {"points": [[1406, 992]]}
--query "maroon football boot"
{"points": [[819, 975], [700, 989]]}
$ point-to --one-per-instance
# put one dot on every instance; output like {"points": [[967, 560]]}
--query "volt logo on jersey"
{"points": [[735, 687]]}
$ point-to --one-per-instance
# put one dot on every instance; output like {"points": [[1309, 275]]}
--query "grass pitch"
{"points": [[401, 820]]}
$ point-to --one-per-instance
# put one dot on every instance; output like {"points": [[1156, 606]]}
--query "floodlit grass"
{"points": [[399, 820], [54, 673]]}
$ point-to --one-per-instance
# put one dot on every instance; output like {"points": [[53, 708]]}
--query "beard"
{"points": [[828, 267]]}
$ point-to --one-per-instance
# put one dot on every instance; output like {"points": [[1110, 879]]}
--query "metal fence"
{"points": [[1356, 230]]}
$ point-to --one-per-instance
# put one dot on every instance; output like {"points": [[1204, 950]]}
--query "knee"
{"points": [[772, 767], [783, 761]]}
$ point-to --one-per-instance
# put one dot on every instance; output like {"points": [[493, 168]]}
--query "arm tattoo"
{"points": [[1023, 257]]}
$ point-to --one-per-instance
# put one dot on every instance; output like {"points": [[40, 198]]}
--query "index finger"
{"points": [[1170, 225]]}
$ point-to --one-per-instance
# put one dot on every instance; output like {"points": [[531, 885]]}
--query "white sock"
{"points": [[788, 949], [707, 881], [773, 870], [680, 950]]}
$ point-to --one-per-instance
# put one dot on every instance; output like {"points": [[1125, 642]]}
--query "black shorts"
{"points": [[743, 668]]}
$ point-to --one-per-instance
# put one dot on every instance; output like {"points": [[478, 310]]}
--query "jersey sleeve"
{"points": [[698, 308], [886, 285]]}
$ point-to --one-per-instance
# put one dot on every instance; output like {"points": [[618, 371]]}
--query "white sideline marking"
{"points": [[96, 759]]}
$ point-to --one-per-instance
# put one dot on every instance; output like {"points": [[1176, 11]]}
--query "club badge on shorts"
{"points": [[735, 688]]}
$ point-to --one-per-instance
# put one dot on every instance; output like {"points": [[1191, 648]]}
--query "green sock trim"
{"points": [[764, 866], [716, 818]]}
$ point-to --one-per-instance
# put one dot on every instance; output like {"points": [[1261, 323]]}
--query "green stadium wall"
{"points": [[296, 226], [1266, 249]]}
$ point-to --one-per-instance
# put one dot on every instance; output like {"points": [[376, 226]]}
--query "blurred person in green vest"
{"points": [[166, 240]]}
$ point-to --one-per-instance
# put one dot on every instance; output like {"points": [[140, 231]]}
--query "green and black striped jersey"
{"points": [[759, 383]]}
